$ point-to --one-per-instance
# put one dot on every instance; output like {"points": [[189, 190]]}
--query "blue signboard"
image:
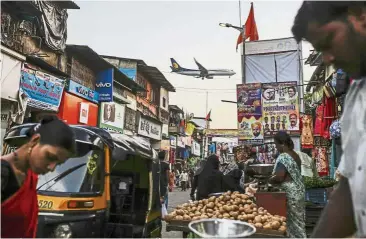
{"points": [[83, 92], [129, 72], [44, 91], [104, 85]]}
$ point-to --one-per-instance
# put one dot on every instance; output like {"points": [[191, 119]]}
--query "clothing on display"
{"points": [[321, 158], [307, 138]]}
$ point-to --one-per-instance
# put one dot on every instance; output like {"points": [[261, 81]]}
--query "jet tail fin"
{"points": [[175, 66]]}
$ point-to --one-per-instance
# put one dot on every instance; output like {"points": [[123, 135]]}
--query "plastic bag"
{"points": [[164, 212]]}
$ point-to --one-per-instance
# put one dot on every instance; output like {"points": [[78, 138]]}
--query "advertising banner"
{"points": [[196, 148], [112, 116], [82, 91], [149, 129], [104, 85], [249, 113], [280, 104], [44, 91]]}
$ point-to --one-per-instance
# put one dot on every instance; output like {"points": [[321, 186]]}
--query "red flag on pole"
{"points": [[251, 32], [208, 117]]}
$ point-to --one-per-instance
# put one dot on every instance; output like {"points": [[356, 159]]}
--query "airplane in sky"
{"points": [[201, 72]]}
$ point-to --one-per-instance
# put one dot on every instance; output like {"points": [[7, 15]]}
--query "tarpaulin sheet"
{"points": [[280, 67], [54, 25]]}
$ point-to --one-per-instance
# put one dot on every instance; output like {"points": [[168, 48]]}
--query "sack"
{"points": [[164, 212]]}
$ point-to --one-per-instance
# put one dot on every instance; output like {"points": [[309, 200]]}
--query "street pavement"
{"points": [[175, 198]]}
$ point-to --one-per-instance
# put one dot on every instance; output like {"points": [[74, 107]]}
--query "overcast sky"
{"points": [[155, 31]]}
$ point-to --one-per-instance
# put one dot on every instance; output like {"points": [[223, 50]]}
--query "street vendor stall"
{"points": [[233, 206]]}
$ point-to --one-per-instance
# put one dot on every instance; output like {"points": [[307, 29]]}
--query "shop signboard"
{"points": [[149, 129], [181, 142], [280, 108], [196, 148], [84, 113], [249, 110], [44, 91], [104, 85], [173, 141], [83, 92], [112, 116]]}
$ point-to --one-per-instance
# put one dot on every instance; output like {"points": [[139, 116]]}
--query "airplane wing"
{"points": [[203, 70]]}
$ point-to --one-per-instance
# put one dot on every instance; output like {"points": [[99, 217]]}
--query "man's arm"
{"points": [[337, 219]]}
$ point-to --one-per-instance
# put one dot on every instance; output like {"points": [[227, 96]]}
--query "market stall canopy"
{"points": [[175, 109], [130, 145]]}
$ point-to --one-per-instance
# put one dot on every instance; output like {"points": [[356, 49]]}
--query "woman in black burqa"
{"points": [[210, 179]]}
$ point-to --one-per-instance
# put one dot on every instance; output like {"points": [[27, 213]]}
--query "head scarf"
{"points": [[201, 167]]}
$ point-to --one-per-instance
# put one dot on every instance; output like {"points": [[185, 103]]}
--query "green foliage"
{"points": [[317, 182]]}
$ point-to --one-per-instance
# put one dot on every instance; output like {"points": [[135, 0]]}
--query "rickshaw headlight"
{"points": [[63, 231]]}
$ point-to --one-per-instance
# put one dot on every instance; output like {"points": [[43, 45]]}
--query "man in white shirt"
{"points": [[184, 180], [338, 30]]}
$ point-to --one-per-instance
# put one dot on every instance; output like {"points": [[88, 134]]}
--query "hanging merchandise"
{"points": [[342, 82], [307, 139], [318, 120], [321, 158], [330, 114], [335, 129], [266, 153]]}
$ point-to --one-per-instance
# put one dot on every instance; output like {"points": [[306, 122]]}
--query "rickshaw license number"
{"points": [[45, 204]]}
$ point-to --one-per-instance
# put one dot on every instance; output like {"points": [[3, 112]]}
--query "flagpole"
{"points": [[206, 139]]}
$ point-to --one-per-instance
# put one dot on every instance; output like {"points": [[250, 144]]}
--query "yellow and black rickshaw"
{"points": [[109, 189]]}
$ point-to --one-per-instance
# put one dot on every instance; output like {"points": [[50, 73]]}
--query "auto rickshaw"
{"points": [[109, 189]]}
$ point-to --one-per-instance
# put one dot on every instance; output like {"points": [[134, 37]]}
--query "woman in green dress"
{"points": [[287, 173]]}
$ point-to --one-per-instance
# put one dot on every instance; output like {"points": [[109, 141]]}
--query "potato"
{"points": [[255, 213], [282, 229], [241, 205], [174, 213], [248, 210], [254, 209], [209, 215], [244, 196], [209, 210], [210, 205], [234, 214], [283, 219], [249, 201], [260, 213], [180, 212], [245, 217], [186, 218], [241, 209], [219, 205], [235, 208], [227, 198], [258, 225], [221, 198], [258, 219], [226, 215], [222, 210], [197, 214], [179, 218], [267, 226], [191, 214], [226, 207], [284, 224], [275, 225], [228, 192], [250, 222], [220, 216], [194, 218]]}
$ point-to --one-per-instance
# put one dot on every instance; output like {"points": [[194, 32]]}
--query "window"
{"points": [[87, 178], [152, 95], [164, 102]]}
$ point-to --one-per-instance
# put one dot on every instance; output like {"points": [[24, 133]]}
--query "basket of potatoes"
{"points": [[229, 205]]}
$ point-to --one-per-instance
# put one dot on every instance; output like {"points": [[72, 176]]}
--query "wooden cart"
{"points": [[182, 226]]}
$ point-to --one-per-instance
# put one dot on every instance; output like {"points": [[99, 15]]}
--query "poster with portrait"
{"points": [[280, 108], [249, 110], [250, 129], [112, 116], [249, 99]]}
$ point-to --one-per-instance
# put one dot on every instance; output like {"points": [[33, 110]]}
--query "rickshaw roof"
{"points": [[86, 134], [133, 145]]}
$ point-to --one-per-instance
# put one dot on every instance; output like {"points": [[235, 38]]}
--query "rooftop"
{"points": [[98, 63]]}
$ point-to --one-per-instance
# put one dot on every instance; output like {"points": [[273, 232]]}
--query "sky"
{"points": [[155, 31]]}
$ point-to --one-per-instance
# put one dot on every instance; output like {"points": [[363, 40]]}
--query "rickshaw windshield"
{"points": [[86, 178]]}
